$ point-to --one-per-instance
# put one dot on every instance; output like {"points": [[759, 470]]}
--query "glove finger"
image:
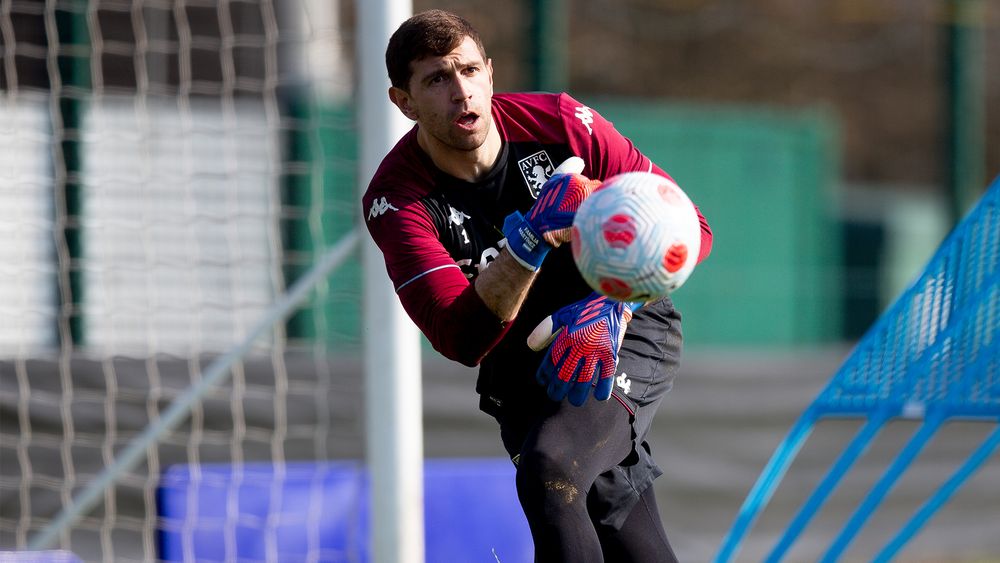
{"points": [[557, 381], [557, 389], [574, 367], [570, 372], [602, 391], [586, 372], [621, 339], [579, 392], [545, 371], [572, 165]]}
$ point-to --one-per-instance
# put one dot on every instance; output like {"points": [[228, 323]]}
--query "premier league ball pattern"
{"points": [[636, 238]]}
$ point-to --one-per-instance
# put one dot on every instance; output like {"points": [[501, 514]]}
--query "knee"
{"points": [[549, 478]]}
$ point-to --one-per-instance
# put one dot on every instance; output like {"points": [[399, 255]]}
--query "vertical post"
{"points": [[966, 103], [393, 406], [74, 85], [549, 51]]}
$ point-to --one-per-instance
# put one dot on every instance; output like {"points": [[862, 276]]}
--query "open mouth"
{"points": [[467, 120]]}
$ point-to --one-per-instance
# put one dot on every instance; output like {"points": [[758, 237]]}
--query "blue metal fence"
{"points": [[934, 355]]}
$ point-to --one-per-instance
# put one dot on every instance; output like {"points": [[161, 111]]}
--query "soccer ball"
{"points": [[636, 238]]}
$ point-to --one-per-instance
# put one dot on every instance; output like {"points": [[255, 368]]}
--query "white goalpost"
{"points": [[393, 404]]}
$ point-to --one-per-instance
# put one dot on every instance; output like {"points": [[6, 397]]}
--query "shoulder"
{"points": [[555, 104], [514, 102], [395, 203], [537, 116], [402, 175], [546, 117]]}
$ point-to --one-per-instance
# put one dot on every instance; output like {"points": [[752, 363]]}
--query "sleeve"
{"points": [[432, 289], [607, 152]]}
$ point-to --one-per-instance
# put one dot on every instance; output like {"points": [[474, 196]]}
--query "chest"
{"points": [[469, 216]]}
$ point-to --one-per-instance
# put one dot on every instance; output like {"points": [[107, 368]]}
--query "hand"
{"points": [[548, 222], [585, 339], [552, 214]]}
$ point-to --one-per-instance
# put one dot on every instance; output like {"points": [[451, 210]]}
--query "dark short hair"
{"points": [[433, 33]]}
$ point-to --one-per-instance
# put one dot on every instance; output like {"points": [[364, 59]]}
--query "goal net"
{"points": [[168, 169]]}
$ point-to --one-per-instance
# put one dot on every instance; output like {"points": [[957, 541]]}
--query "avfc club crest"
{"points": [[535, 170]]}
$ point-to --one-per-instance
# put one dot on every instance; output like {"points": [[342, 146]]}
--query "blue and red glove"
{"points": [[548, 222], [585, 339]]}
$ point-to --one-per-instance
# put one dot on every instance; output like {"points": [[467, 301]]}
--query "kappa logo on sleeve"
{"points": [[586, 116], [535, 170], [380, 207]]}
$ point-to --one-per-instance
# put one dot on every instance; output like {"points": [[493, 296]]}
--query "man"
{"points": [[473, 245]]}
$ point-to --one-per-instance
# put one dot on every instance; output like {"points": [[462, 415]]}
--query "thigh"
{"points": [[592, 438], [583, 448]]}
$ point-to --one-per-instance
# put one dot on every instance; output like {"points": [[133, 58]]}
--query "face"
{"points": [[450, 98]]}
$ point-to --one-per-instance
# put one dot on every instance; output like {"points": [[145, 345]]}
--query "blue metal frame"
{"points": [[933, 355], [940, 497]]}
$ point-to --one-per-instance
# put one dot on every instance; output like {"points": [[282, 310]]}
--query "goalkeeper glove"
{"points": [[529, 238], [585, 339]]}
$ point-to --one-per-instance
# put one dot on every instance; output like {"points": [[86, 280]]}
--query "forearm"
{"points": [[504, 285], [465, 321]]}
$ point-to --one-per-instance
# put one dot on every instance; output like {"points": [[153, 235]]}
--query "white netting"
{"points": [[180, 218], [168, 169]]}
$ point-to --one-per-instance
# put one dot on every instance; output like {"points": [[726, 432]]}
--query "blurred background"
{"points": [[170, 167]]}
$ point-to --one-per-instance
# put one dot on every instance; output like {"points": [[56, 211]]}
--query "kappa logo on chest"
{"points": [[535, 170]]}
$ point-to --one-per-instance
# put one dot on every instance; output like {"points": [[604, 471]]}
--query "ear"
{"points": [[401, 98]]}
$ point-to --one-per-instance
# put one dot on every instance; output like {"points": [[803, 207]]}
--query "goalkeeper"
{"points": [[470, 210]]}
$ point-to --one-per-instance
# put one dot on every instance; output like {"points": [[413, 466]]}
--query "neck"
{"points": [[467, 165]]}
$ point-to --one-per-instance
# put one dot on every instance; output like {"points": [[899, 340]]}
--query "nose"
{"points": [[462, 89]]}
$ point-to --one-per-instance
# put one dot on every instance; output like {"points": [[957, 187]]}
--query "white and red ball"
{"points": [[637, 237]]}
